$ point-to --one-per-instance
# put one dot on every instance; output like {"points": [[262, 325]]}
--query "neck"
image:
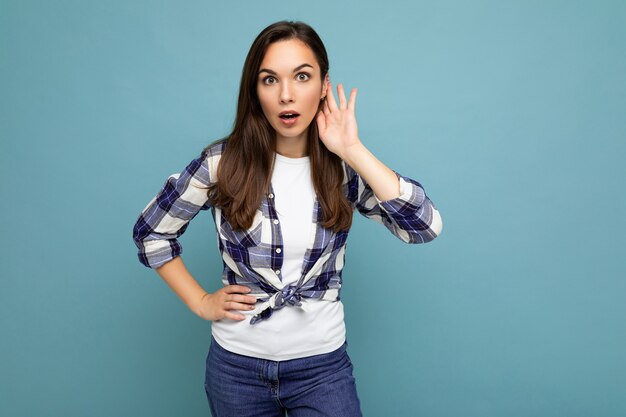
{"points": [[292, 147]]}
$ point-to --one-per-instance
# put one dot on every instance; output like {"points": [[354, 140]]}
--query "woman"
{"points": [[282, 188]]}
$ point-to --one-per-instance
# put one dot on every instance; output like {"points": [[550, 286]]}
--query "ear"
{"points": [[325, 86]]}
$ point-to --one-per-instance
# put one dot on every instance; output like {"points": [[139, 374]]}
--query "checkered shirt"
{"points": [[254, 257]]}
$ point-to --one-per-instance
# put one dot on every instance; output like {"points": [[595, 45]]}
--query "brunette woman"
{"points": [[282, 188]]}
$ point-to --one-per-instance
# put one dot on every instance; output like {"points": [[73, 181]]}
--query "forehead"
{"points": [[285, 55]]}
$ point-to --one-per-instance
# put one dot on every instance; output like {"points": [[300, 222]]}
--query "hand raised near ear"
{"points": [[337, 124]]}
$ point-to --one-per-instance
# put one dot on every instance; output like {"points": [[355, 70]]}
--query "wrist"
{"points": [[197, 307], [353, 153]]}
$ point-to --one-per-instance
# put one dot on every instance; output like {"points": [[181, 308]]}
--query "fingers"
{"points": [[230, 307], [332, 104], [234, 316], [342, 96], [321, 121], [326, 108], [233, 299], [240, 298], [233, 293], [352, 100], [233, 288], [330, 98]]}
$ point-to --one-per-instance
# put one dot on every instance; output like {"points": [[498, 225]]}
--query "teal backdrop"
{"points": [[511, 114]]}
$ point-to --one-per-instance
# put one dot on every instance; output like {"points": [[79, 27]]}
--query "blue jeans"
{"points": [[314, 386]]}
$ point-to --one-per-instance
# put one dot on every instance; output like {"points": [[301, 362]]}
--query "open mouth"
{"points": [[288, 116]]}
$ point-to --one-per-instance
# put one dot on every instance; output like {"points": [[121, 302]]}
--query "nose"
{"points": [[286, 92]]}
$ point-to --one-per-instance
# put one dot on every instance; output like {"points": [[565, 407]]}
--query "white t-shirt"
{"points": [[292, 332]]}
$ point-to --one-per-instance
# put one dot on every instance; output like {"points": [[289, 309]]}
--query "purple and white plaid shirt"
{"points": [[254, 257]]}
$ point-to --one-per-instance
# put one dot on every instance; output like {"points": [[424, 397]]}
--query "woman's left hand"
{"points": [[337, 124]]}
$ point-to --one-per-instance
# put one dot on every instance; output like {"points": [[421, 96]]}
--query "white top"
{"points": [[292, 332]]}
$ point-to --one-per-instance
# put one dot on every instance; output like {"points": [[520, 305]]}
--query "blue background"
{"points": [[511, 114]]}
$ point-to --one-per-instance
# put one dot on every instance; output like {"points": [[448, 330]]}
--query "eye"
{"points": [[265, 80], [305, 74], [306, 77]]}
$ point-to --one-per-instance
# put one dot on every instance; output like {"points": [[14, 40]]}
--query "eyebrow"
{"points": [[294, 70]]}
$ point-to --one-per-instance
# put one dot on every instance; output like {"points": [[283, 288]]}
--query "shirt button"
{"points": [[277, 250], [278, 271], [270, 195], [275, 221]]}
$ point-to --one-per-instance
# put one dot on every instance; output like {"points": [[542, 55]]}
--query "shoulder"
{"points": [[215, 148], [211, 155]]}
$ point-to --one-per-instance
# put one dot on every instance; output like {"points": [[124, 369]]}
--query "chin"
{"points": [[293, 134], [289, 133]]}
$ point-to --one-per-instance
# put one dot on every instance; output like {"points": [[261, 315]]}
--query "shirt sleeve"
{"points": [[168, 214], [412, 217]]}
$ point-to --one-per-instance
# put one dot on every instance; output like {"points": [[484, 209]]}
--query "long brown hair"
{"points": [[248, 158]]}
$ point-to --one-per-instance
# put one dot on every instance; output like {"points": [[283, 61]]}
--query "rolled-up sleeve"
{"points": [[412, 217], [168, 214]]}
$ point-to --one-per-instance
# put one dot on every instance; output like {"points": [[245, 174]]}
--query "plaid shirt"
{"points": [[254, 257]]}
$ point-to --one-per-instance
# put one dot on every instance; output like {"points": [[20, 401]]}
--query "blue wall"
{"points": [[511, 114]]}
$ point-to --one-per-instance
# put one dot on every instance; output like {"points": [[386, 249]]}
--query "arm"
{"points": [[168, 214], [208, 306], [404, 209], [166, 218], [178, 278], [378, 176], [383, 195]]}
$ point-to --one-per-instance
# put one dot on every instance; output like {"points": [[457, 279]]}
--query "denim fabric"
{"points": [[314, 386]]}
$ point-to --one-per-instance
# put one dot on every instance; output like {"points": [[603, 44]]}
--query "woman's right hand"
{"points": [[216, 306]]}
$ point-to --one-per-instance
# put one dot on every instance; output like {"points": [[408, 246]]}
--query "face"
{"points": [[289, 79]]}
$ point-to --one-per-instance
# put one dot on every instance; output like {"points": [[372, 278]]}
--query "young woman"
{"points": [[282, 188]]}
